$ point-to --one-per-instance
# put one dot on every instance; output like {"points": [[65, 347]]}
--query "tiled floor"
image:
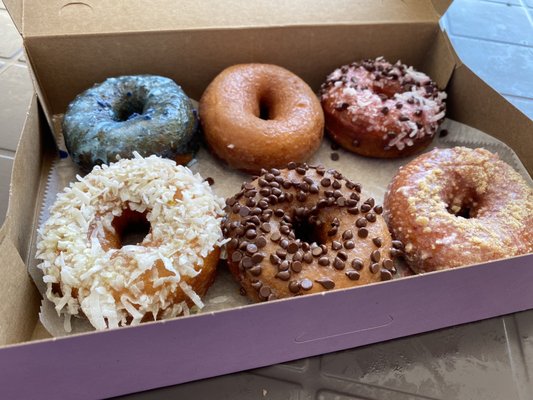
{"points": [[491, 359], [15, 93]]}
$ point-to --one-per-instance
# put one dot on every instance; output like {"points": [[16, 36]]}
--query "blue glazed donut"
{"points": [[144, 113]]}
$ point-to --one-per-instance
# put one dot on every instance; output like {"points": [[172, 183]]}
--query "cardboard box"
{"points": [[70, 46]]}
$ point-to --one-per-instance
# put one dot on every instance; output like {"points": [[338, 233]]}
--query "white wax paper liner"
{"points": [[373, 174]]}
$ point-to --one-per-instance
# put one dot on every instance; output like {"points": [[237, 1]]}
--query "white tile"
{"points": [[6, 163], [16, 90], [10, 42], [507, 68], [490, 21]]}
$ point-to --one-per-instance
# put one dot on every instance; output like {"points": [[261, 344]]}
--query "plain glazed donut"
{"points": [[305, 230], [144, 113], [260, 116], [377, 109], [89, 271], [453, 207]]}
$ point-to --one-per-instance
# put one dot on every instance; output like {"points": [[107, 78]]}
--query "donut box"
{"points": [[80, 43]]}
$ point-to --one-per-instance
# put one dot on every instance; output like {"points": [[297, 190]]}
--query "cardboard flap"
{"points": [[14, 8], [19, 299], [441, 6], [63, 17]]}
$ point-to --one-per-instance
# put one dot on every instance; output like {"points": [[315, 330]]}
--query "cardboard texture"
{"points": [[191, 45]]}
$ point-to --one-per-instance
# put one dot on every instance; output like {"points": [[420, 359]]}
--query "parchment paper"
{"points": [[373, 174]]}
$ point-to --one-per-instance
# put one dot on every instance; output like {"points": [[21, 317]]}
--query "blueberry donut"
{"points": [[143, 113]]}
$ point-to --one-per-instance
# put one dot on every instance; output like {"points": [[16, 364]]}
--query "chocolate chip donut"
{"points": [[305, 230], [378, 109], [143, 113]]}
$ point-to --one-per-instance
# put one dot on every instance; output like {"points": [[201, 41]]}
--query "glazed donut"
{"points": [[143, 113], [305, 230], [377, 109], [89, 271], [453, 207], [260, 116]]}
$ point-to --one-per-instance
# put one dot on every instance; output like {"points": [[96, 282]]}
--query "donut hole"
{"points": [[307, 232], [465, 208], [129, 107], [131, 228], [264, 110]]}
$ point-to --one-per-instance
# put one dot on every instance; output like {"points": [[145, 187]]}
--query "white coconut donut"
{"points": [[87, 269]]}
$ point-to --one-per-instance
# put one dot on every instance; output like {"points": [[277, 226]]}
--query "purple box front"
{"points": [[160, 354]]}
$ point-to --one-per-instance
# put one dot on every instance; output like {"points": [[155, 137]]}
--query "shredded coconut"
{"points": [[185, 219]]}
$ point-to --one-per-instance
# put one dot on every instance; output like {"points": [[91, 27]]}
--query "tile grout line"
{"points": [[462, 36]]}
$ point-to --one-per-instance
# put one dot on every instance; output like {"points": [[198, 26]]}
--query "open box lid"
{"points": [[35, 18]]}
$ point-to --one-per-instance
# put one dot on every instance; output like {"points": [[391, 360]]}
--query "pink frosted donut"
{"points": [[378, 109]]}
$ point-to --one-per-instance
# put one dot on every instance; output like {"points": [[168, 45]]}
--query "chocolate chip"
{"points": [[283, 275], [284, 243], [377, 241], [443, 133], [326, 283], [336, 245], [386, 275], [323, 261], [306, 284], [395, 253], [251, 234], [336, 185], [348, 234], [357, 264], [296, 266], [353, 210], [264, 292], [338, 263], [316, 251], [292, 248], [251, 248], [300, 170], [325, 182], [375, 256], [341, 201], [308, 258], [210, 181], [231, 201], [276, 236], [294, 287], [418, 112], [385, 110], [371, 217], [378, 209], [236, 256], [397, 244], [265, 227], [403, 118], [244, 211], [275, 259], [362, 233], [399, 106], [387, 263], [353, 275], [342, 255], [361, 222], [284, 266], [284, 229], [349, 244], [366, 208], [261, 242], [374, 268], [291, 165], [333, 231], [257, 284], [281, 253], [257, 258], [256, 270], [334, 156]]}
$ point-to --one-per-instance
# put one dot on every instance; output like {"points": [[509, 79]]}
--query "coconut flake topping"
{"points": [[107, 284]]}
